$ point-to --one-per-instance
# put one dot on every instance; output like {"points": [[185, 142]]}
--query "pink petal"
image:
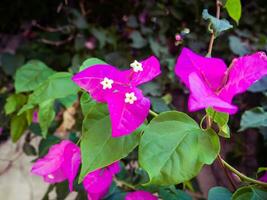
{"points": [[71, 164], [264, 178], [114, 168], [125, 117], [202, 97], [151, 69], [211, 70], [55, 177], [97, 183], [243, 73], [89, 79], [140, 195]]}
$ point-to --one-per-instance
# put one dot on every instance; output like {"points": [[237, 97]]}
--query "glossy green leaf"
{"points": [[98, 147], [14, 102], [30, 75], [219, 25], [173, 148], [254, 118], [46, 115], [234, 9], [221, 119], [219, 193], [68, 101], [90, 62], [250, 193]]}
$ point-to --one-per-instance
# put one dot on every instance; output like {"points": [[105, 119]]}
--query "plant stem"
{"points": [[241, 175], [154, 114], [121, 183], [212, 38]]}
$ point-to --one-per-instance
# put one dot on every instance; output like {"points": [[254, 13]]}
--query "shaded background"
{"points": [[63, 34]]}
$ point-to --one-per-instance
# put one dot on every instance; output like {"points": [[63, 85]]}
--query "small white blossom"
{"points": [[107, 83], [130, 97], [137, 66], [50, 176]]}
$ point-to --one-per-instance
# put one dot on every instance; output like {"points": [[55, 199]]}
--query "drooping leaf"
{"points": [[234, 9], [30, 75], [237, 46], [254, 118], [68, 101], [173, 148], [87, 103], [250, 192], [46, 115], [219, 193], [14, 102], [138, 41], [18, 126], [98, 147], [221, 119], [219, 25], [10, 63], [259, 86]]}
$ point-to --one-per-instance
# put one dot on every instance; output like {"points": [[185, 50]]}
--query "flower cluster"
{"points": [[127, 106], [63, 162]]}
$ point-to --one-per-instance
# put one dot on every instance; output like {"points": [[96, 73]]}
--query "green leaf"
{"points": [[159, 105], [11, 62], [219, 193], [174, 194], [46, 115], [18, 126], [58, 85], [259, 86], [14, 102], [87, 103], [90, 62], [254, 118], [30, 75], [98, 147], [221, 119], [138, 41], [237, 46], [234, 9], [173, 148], [68, 101], [46, 143], [250, 192], [219, 25]]}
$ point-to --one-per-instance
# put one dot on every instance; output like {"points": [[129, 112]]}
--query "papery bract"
{"points": [[61, 163], [264, 177], [97, 183], [211, 84], [127, 106], [140, 195]]}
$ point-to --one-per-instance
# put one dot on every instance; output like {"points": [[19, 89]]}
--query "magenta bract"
{"points": [[127, 106], [264, 177], [61, 163], [97, 183], [140, 195], [211, 84]]}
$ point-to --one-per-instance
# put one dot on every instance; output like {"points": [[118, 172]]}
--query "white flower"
{"points": [[137, 66], [50, 176], [130, 98], [107, 83]]}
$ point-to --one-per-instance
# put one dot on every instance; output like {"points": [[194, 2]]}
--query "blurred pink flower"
{"points": [[1, 130], [178, 37], [61, 163], [97, 183], [35, 117], [90, 43], [140, 195], [211, 84], [127, 106], [264, 177]]}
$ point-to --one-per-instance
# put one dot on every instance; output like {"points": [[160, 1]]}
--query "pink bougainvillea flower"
{"points": [[97, 183], [35, 117], [211, 84], [264, 178], [127, 106], [140, 195], [61, 163]]}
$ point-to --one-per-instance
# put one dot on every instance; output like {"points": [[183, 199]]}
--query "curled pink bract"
{"points": [[61, 163], [212, 84], [140, 195]]}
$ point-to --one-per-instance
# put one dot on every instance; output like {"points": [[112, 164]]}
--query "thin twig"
{"points": [[57, 43], [212, 38]]}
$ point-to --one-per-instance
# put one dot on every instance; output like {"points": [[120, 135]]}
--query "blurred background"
{"points": [[63, 33]]}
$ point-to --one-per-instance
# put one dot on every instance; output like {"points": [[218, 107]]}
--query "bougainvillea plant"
{"points": [[121, 148]]}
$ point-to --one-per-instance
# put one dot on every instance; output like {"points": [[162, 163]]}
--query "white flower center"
{"points": [[130, 98], [50, 176], [107, 83], [137, 66]]}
